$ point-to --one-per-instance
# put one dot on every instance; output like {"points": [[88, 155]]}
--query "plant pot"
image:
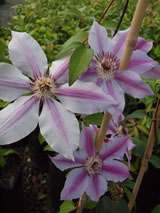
{"points": [[39, 159], [55, 184], [11, 185]]}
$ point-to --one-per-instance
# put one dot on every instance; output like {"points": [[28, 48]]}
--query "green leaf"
{"points": [[3, 47], [120, 206], [8, 152], [2, 161], [48, 148], [67, 206], [156, 209], [73, 11], [104, 205], [140, 147], [67, 50], [41, 138], [95, 119], [79, 37], [79, 62], [136, 114], [90, 204], [127, 192], [155, 161]]}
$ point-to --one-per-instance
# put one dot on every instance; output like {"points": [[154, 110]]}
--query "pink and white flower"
{"points": [[49, 100], [104, 69], [91, 172]]}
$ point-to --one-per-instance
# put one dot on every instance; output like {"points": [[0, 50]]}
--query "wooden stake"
{"points": [[147, 155]]}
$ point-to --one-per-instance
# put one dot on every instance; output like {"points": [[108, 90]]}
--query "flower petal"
{"points": [[114, 170], [87, 142], [84, 98], [143, 45], [140, 62], [118, 42], [75, 184], [64, 163], [98, 39], [116, 148], [18, 119], [27, 55], [132, 84], [12, 82], [113, 88], [97, 186], [90, 75], [60, 128], [153, 73], [60, 70]]}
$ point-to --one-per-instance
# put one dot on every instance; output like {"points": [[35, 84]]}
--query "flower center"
{"points": [[122, 130], [44, 87], [93, 165], [106, 66]]}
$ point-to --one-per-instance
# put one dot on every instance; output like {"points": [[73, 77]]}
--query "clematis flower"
{"points": [[104, 69], [91, 172], [118, 130], [153, 73], [48, 98]]}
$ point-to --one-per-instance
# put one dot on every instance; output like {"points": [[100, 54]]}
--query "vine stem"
{"points": [[147, 155], [99, 21]]}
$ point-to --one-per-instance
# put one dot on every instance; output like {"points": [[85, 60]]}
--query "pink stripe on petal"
{"points": [[75, 184], [59, 70], [140, 62], [98, 39], [97, 186], [64, 163], [143, 45], [153, 73], [60, 128], [27, 55], [18, 119], [118, 42], [114, 149], [84, 98], [133, 85], [18, 114], [87, 141], [115, 171]]}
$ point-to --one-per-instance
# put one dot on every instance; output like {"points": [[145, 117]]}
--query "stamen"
{"points": [[93, 165], [106, 66], [44, 87]]}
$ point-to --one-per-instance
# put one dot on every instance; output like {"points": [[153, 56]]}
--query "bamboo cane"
{"points": [[130, 44], [147, 155]]}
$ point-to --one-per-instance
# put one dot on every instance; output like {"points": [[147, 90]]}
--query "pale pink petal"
{"points": [[84, 98], [153, 73], [118, 43], [98, 39], [114, 170], [60, 128], [97, 186], [90, 75], [140, 62], [59, 70], [132, 84], [143, 45], [87, 141], [18, 119], [75, 184], [27, 55], [112, 129], [12, 83], [113, 88], [64, 163], [114, 149]]}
